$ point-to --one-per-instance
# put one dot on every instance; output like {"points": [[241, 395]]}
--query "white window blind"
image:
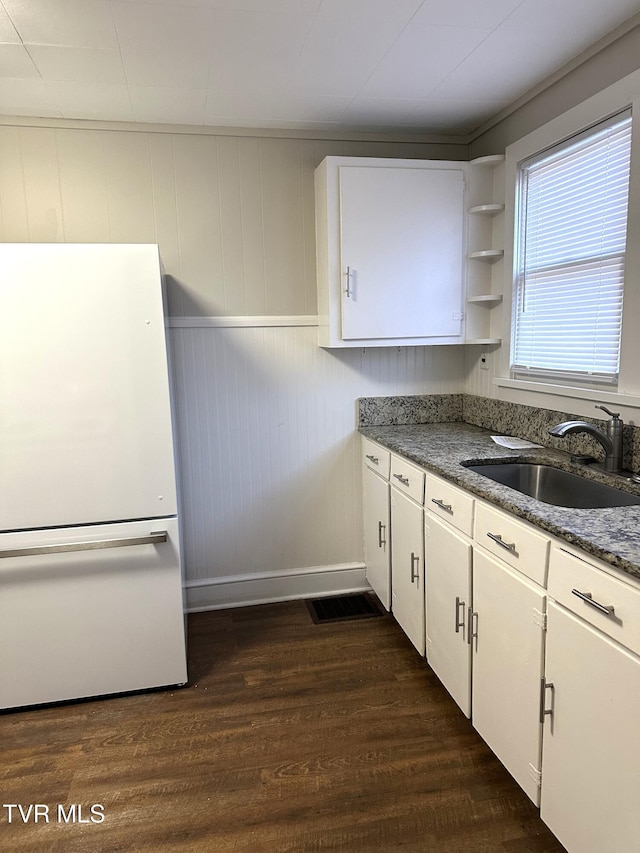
{"points": [[570, 256]]}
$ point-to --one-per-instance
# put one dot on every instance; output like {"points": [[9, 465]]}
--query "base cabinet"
{"points": [[407, 567], [537, 642], [485, 642], [448, 600], [591, 755], [377, 545], [508, 661]]}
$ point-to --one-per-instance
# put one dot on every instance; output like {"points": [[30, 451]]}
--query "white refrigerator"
{"points": [[91, 592]]}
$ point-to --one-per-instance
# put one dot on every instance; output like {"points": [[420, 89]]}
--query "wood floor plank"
{"points": [[291, 737]]}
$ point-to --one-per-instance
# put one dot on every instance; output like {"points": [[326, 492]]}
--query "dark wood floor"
{"points": [[291, 737]]}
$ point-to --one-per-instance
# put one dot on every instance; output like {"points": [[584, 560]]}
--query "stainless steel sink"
{"points": [[554, 486]]}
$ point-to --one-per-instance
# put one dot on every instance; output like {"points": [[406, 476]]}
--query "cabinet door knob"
{"points": [[381, 534], [403, 480], [373, 459], [460, 605]]}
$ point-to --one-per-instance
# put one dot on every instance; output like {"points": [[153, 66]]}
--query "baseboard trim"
{"points": [[269, 587]]}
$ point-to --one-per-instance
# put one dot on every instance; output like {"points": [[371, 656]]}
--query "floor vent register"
{"points": [[340, 608]]}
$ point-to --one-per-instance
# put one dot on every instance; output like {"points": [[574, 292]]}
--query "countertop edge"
{"points": [[441, 448]]}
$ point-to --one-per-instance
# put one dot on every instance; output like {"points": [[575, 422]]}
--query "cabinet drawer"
{"points": [[450, 503], [407, 478], [596, 592], [516, 543], [376, 457]]}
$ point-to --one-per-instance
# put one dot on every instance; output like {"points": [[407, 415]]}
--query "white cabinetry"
{"points": [[407, 572], [390, 242], [510, 561], [407, 550], [591, 753], [448, 524], [485, 622], [517, 543], [552, 686], [376, 519], [448, 599], [508, 656]]}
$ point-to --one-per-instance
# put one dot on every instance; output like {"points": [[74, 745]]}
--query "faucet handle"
{"points": [[613, 415]]}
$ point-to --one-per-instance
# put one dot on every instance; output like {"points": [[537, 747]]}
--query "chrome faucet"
{"points": [[611, 441]]}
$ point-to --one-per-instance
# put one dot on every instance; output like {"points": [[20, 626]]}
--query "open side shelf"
{"points": [[488, 160], [492, 209], [485, 223], [488, 299], [488, 255]]}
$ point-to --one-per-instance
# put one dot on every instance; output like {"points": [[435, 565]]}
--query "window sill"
{"points": [[589, 394]]}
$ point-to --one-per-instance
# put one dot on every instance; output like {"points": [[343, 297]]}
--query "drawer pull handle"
{"points": [[510, 546], [403, 480], [373, 459], [607, 609], [415, 574], [382, 529], [442, 505], [459, 605]]}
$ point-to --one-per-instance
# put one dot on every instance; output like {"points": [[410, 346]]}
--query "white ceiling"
{"points": [[383, 65]]}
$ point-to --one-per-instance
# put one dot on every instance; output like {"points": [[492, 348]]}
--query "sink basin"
{"points": [[554, 486]]}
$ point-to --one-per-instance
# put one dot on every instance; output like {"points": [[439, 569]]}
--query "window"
{"points": [[570, 256]]}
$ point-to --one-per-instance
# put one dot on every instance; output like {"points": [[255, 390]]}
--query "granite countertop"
{"points": [[611, 534]]}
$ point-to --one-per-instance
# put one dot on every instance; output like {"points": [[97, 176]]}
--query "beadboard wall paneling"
{"points": [[479, 381], [268, 448]]}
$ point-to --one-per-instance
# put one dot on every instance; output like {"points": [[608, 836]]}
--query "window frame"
{"points": [[622, 95], [553, 154]]}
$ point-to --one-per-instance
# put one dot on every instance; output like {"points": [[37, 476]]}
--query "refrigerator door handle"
{"points": [[67, 547]]}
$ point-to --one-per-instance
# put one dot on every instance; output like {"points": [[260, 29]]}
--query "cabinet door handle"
{"points": [[459, 605], [347, 289], [607, 609], [470, 631], [442, 505], [382, 529], [403, 480], [544, 711], [497, 538], [373, 459], [415, 573]]}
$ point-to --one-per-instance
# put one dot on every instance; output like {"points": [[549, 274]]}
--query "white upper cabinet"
{"points": [[391, 238]]}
